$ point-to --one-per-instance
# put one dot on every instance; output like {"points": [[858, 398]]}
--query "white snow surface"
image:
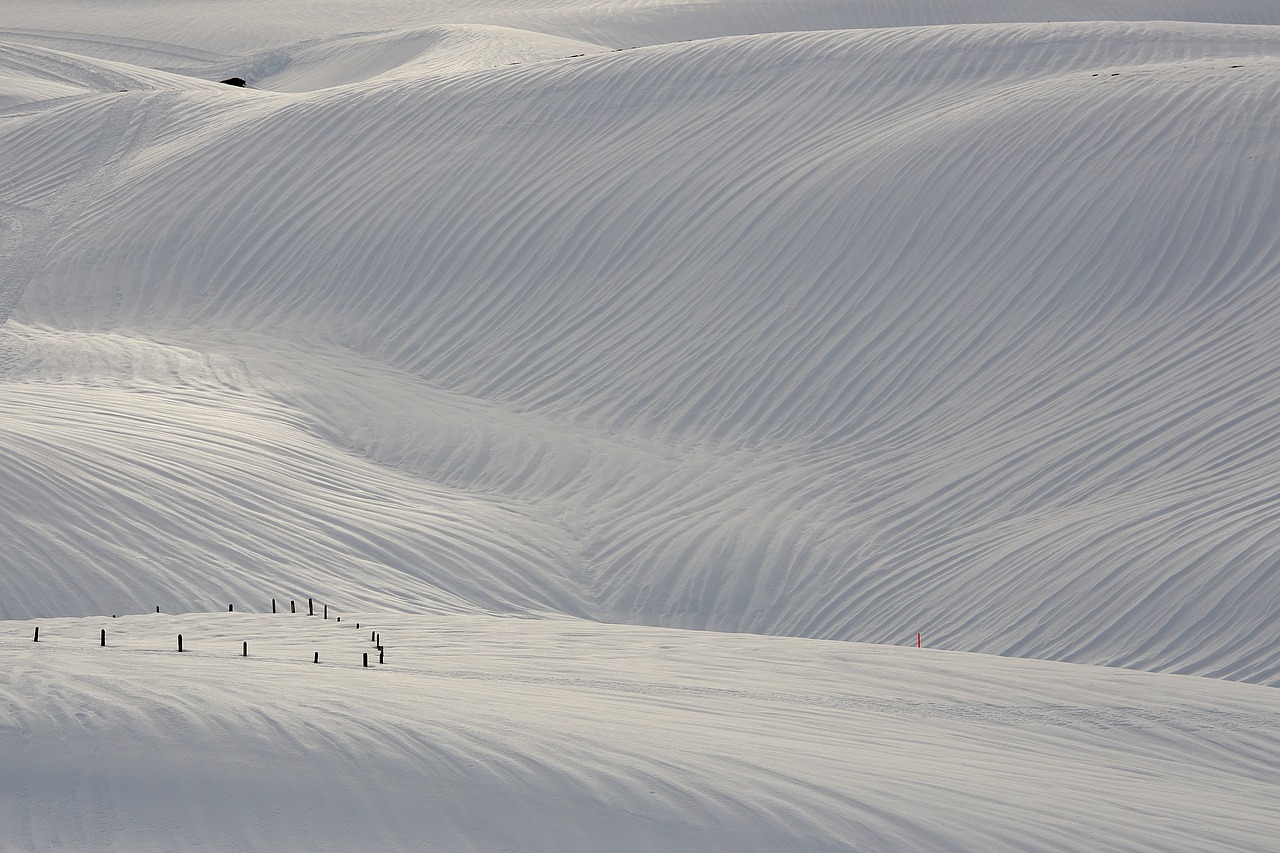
{"points": [[556, 339], [488, 734]]}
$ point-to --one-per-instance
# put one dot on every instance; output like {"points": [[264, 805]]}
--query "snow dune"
{"points": [[840, 334], [183, 34], [806, 322], [414, 53]]}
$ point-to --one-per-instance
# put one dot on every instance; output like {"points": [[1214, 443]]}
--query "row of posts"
{"points": [[293, 608], [244, 649]]}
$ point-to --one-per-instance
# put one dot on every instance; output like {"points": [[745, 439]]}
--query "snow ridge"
{"points": [[821, 334]]}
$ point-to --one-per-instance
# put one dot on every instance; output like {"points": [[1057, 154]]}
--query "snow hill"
{"points": [[798, 321]]}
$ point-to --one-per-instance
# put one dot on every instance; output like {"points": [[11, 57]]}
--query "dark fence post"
{"points": [[231, 608], [273, 605], [179, 642], [293, 606], [379, 654], [37, 639], [103, 640], [311, 607], [316, 659], [245, 651], [366, 658], [157, 608], [326, 611]]}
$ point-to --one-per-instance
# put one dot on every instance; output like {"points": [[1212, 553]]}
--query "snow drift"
{"points": [[839, 335], [838, 321], [483, 734]]}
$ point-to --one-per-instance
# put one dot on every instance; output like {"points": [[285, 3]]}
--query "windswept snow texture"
{"points": [[821, 320], [970, 330], [483, 734]]}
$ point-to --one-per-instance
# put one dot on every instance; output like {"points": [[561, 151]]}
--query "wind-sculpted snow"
{"points": [[188, 34], [414, 53], [963, 330], [487, 324], [489, 734]]}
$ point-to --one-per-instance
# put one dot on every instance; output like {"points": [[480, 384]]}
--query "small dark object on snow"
{"points": [[235, 81]]}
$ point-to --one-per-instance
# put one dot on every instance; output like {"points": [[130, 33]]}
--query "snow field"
{"points": [[540, 335], [826, 334], [486, 734]]}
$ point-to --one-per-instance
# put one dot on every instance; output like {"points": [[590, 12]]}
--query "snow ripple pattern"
{"points": [[849, 334]]}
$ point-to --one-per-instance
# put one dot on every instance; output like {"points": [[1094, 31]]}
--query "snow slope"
{"points": [[482, 734], [813, 321], [841, 334]]}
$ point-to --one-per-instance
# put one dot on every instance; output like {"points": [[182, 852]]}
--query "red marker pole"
{"points": [[917, 641]]}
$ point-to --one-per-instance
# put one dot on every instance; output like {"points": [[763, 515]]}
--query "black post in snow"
{"points": [[379, 654], [273, 605], [316, 659], [37, 639], [311, 607], [366, 658], [179, 642], [244, 652], [326, 611], [103, 640], [293, 606], [231, 608]]}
